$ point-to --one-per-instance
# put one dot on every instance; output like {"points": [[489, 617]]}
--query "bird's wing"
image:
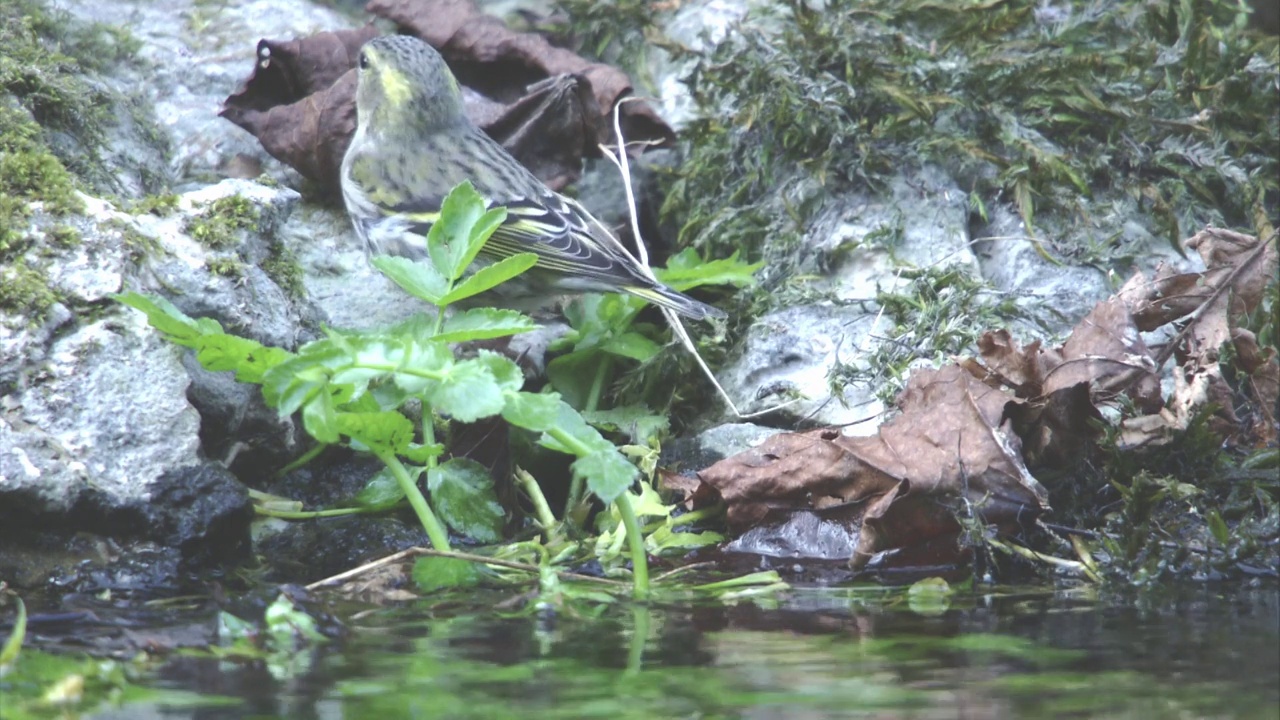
{"points": [[558, 230], [565, 237]]}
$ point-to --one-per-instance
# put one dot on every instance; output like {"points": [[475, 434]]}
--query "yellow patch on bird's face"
{"points": [[395, 86]]}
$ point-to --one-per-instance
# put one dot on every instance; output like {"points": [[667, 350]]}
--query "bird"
{"points": [[414, 143]]}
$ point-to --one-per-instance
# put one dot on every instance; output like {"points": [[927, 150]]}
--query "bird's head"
{"points": [[404, 80]]}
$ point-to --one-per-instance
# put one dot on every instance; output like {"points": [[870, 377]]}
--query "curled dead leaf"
{"points": [[946, 455], [548, 107]]}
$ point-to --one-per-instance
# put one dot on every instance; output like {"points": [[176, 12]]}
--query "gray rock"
{"points": [[193, 55], [691, 454], [105, 411], [785, 363]]}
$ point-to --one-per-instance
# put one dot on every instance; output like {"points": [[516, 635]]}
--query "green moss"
{"points": [[28, 173], [282, 267], [225, 266], [25, 292], [63, 236], [1109, 102], [221, 223], [161, 204], [610, 30]]}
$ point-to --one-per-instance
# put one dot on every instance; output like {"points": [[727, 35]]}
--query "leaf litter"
{"points": [[968, 436], [547, 106]]}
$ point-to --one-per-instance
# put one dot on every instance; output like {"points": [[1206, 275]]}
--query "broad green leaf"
{"points": [[631, 345], [320, 418], [490, 276], [635, 421], [419, 279], [467, 393], [573, 375], [441, 573], [608, 474], [165, 317], [505, 370], [532, 411], [462, 494], [425, 363], [371, 357], [389, 431], [448, 242], [686, 270], [665, 541], [484, 324], [582, 435], [381, 491], [291, 384], [420, 453], [481, 231], [250, 360]]}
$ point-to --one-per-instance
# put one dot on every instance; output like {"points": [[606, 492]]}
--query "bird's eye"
{"points": [[364, 61]]}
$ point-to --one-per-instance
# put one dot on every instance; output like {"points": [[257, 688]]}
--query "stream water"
{"points": [[856, 652]]}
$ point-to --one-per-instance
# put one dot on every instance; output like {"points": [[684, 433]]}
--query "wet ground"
{"points": [[855, 652]]}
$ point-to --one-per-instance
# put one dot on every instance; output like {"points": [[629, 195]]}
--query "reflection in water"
{"points": [[820, 653]]}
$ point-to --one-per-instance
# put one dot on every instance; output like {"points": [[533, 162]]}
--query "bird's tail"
{"points": [[679, 302]]}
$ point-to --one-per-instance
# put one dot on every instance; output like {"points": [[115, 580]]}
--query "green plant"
{"points": [[357, 390], [605, 331]]}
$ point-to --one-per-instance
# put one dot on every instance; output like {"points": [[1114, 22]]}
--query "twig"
{"points": [[468, 557], [677, 327]]}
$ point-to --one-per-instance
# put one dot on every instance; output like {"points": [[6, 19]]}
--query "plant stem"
{"points": [[639, 562], [575, 497], [541, 510], [597, 383], [301, 460], [435, 531], [310, 514]]}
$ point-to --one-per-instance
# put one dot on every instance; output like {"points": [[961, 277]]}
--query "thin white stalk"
{"points": [[677, 327]]}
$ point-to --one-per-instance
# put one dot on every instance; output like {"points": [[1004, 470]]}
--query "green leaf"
{"points": [[490, 276], [570, 423], [636, 421], [13, 644], [631, 345], [389, 431], [481, 231], [441, 573], [449, 240], [320, 418], [532, 411], [505, 371], [382, 491], [424, 364], [250, 360], [484, 324], [420, 453], [166, 318], [686, 270], [572, 375], [463, 495], [1218, 527], [467, 393], [607, 472], [419, 279]]}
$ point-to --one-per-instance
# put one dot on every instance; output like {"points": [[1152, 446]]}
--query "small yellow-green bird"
{"points": [[413, 144]]}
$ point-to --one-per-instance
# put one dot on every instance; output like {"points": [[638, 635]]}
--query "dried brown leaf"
{"points": [[945, 454]]}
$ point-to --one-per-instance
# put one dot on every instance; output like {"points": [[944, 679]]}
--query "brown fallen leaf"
{"points": [[548, 107], [1263, 368], [947, 454], [501, 62]]}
